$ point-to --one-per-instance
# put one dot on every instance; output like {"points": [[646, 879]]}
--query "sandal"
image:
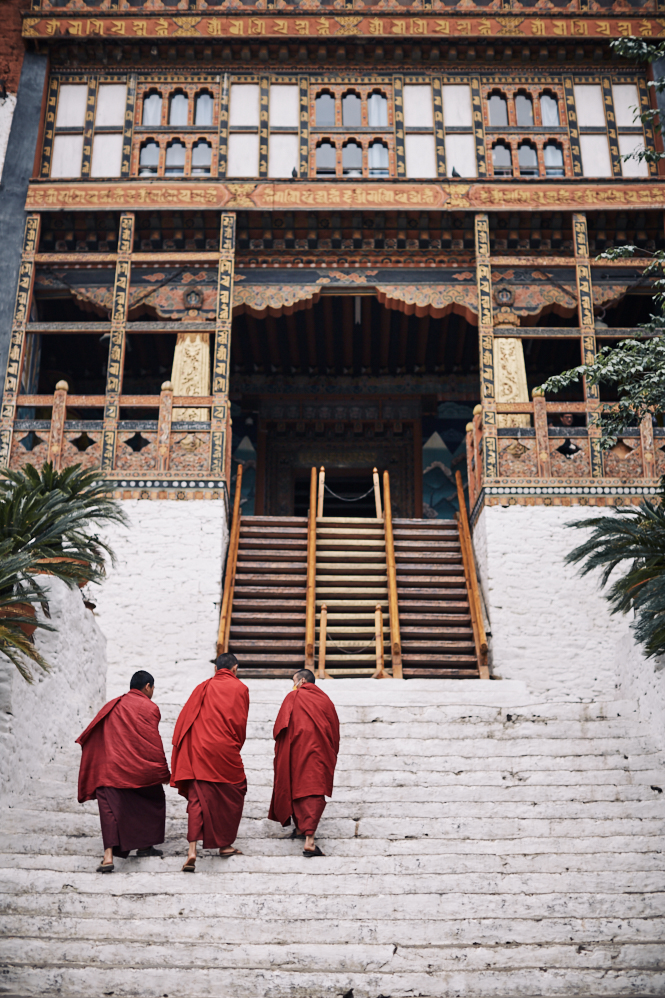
{"points": [[312, 852], [105, 868], [190, 866], [234, 852]]}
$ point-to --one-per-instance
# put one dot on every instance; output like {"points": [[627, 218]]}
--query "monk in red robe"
{"points": [[206, 766], [123, 767], [306, 737]]}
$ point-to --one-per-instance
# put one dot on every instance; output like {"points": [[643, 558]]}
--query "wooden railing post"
{"points": [[58, 416], [230, 578], [648, 449], [542, 434], [469, 564], [393, 610], [323, 637], [322, 482], [310, 607], [164, 426], [378, 635], [377, 494]]}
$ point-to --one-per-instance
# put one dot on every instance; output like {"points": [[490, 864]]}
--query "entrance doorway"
{"points": [[342, 494]]}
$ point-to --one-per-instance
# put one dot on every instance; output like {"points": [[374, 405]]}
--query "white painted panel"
{"points": [[457, 107], [418, 107], [111, 101], [71, 105], [284, 107], [67, 153], [626, 104], [420, 157], [243, 156], [589, 106], [461, 154], [244, 109], [632, 167], [282, 155], [595, 156], [106, 155]]}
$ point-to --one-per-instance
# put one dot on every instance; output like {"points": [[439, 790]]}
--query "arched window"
{"points": [[326, 159], [498, 109], [201, 158], [352, 160], [149, 159], [351, 111], [178, 108], [175, 159], [553, 156], [203, 113], [152, 110], [549, 111], [377, 110], [378, 160], [528, 160], [502, 162], [524, 111], [325, 110]]}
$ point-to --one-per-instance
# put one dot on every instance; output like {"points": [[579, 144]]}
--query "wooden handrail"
{"points": [[378, 635], [377, 494], [323, 637], [322, 482], [231, 564], [310, 605], [393, 609], [469, 564]]}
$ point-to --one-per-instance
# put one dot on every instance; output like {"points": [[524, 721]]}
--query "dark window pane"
{"points": [[325, 111]]}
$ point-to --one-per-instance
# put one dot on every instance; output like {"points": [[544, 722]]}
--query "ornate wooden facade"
{"points": [[369, 206]]}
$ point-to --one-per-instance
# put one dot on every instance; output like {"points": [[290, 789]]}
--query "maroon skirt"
{"points": [[307, 813], [214, 811], [131, 819]]}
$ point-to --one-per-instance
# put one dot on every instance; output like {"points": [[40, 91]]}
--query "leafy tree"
{"points": [[46, 523]]}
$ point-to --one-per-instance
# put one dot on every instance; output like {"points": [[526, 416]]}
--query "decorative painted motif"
{"points": [[91, 104], [612, 134], [435, 300], [273, 299], [191, 372], [510, 379], [128, 128]]}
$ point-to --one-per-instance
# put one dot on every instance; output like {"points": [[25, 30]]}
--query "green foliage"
{"points": [[635, 536], [46, 519]]}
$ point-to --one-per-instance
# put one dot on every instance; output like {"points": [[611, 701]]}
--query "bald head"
{"points": [[304, 676]]}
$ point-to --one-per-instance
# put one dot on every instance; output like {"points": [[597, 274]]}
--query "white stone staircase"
{"points": [[480, 842]]}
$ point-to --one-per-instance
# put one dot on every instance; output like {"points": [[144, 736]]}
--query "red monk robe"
{"points": [[206, 766], [306, 737], [123, 767]]}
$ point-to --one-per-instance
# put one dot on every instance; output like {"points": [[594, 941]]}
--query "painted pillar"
{"points": [[221, 423], [588, 331], [486, 345], [116, 359]]}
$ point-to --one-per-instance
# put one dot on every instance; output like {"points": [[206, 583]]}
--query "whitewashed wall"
{"points": [[159, 608], [643, 680], [550, 627], [37, 721], [6, 115]]}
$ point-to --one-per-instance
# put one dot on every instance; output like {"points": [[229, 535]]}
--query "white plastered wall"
{"points": [[550, 627], [6, 114], [643, 680], [159, 607], [37, 721]]}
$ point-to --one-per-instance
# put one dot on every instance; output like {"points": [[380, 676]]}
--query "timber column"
{"points": [[22, 307], [486, 345], [588, 331], [116, 360], [221, 423]]}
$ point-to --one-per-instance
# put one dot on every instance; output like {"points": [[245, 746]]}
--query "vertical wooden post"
{"points": [[469, 564], [471, 469], [22, 306], [230, 577], [393, 607], [486, 345], [323, 636], [164, 426], [219, 426], [377, 494], [588, 331], [542, 434], [116, 359], [322, 482], [648, 449], [310, 605], [378, 637], [58, 416]]}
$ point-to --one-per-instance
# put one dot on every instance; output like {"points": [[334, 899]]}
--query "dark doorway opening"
{"points": [[347, 485]]}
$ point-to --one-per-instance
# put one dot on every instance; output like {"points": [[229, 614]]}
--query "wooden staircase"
{"points": [[264, 612]]}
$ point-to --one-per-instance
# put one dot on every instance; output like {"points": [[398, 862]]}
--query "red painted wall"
{"points": [[11, 43]]}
